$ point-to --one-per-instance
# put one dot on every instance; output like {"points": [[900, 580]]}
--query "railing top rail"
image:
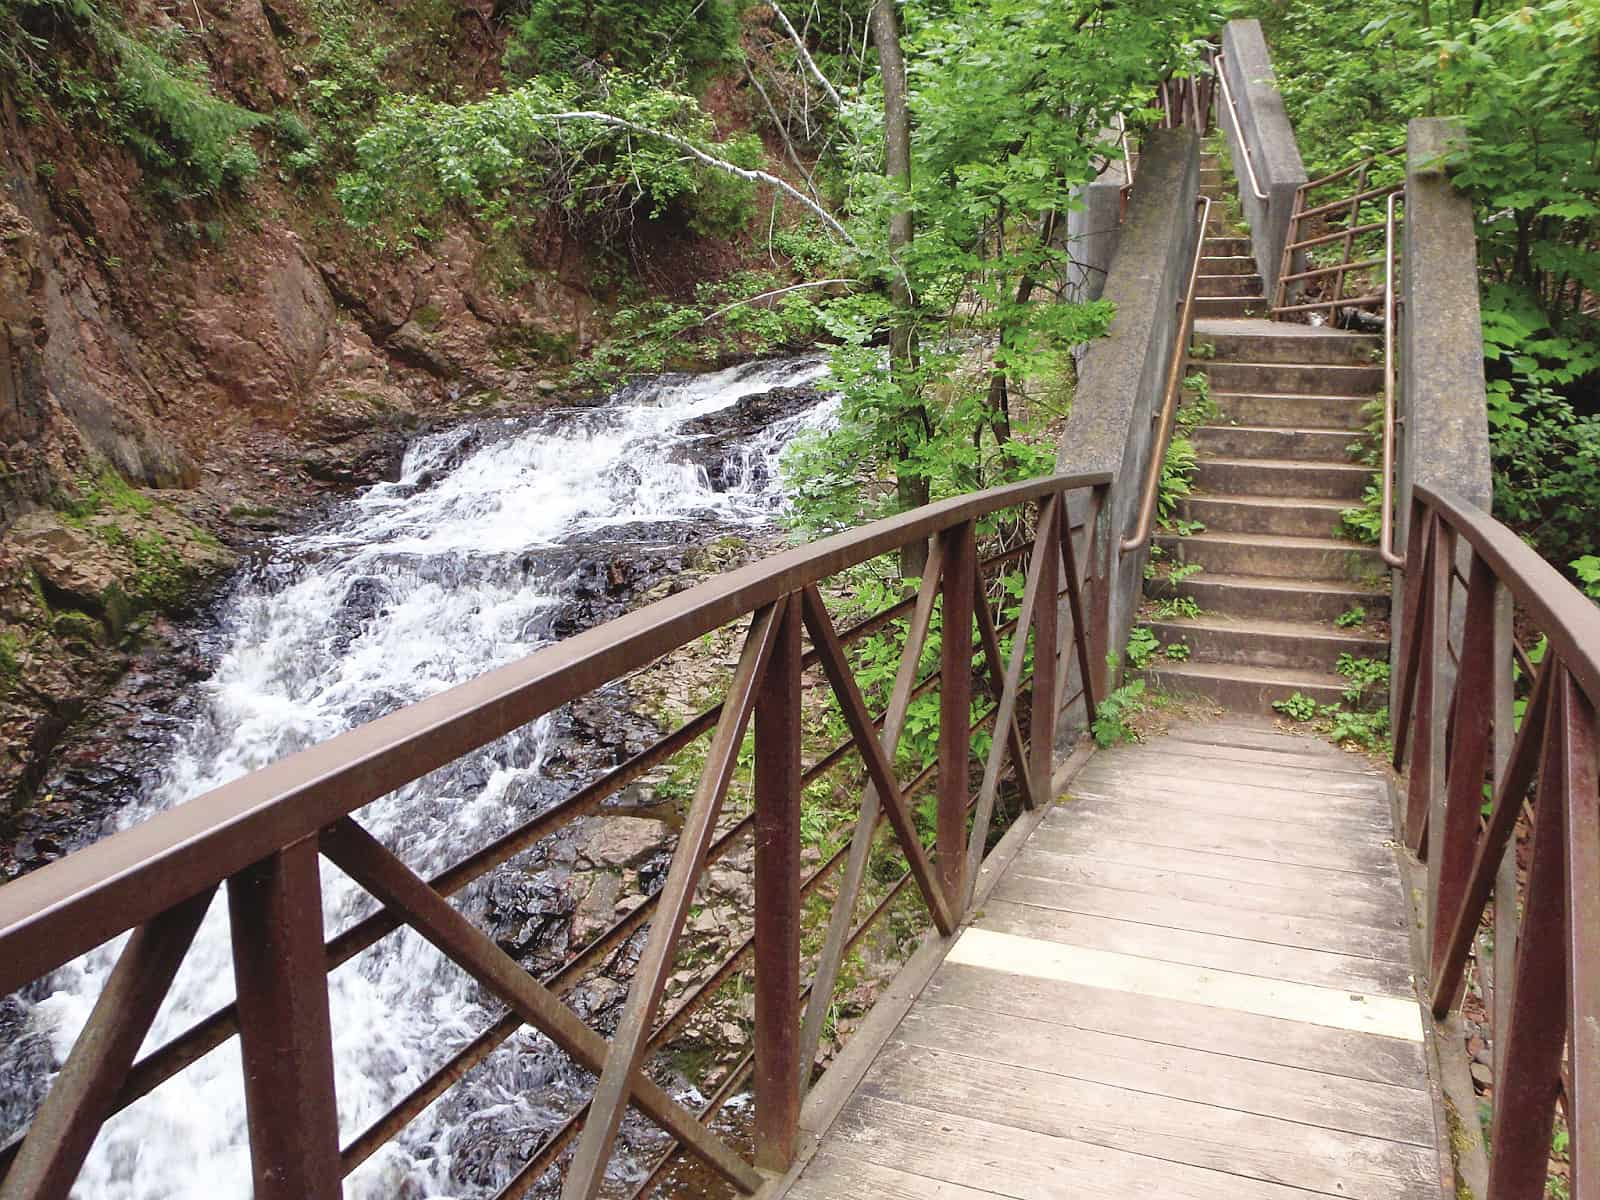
{"points": [[1344, 172], [1555, 607], [74, 904], [1238, 128]]}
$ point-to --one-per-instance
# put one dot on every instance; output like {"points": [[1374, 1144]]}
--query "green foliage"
{"points": [[1178, 470], [519, 152], [1364, 522], [1364, 674], [1182, 571], [1298, 707], [1177, 651], [1352, 617], [589, 37], [1142, 646], [1587, 570], [106, 492], [1175, 608], [143, 91], [11, 649], [1113, 712]]}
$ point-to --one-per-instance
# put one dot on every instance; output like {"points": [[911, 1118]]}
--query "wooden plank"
{"points": [[1360, 815], [1342, 1008], [1022, 1163], [1331, 932], [1235, 738], [1372, 907], [1338, 1053], [1319, 968], [1199, 1135], [1317, 755], [1066, 829], [1208, 864], [1381, 1110], [1186, 772], [833, 1177]]}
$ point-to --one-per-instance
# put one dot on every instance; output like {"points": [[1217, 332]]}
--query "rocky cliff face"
{"points": [[178, 375]]}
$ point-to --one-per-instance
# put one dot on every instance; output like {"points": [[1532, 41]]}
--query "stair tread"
{"points": [[1320, 502], [1222, 622], [1296, 464], [1277, 429], [1287, 366], [1281, 583], [1284, 676], [1283, 541], [1265, 327], [1291, 396]]}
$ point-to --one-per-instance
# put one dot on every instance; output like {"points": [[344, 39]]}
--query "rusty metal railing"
{"points": [[262, 837], [1391, 419], [1167, 414], [1228, 106], [1327, 222], [1470, 582]]}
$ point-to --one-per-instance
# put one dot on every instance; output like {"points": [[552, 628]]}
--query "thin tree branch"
{"points": [[815, 283], [805, 57], [709, 160]]}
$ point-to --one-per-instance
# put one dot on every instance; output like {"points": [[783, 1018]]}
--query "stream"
{"points": [[499, 537]]}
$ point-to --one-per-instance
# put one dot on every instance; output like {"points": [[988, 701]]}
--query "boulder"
{"points": [[76, 568], [623, 841]]}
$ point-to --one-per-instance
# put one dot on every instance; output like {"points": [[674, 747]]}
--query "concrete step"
{"points": [[1282, 477], [1227, 245], [1228, 285], [1256, 596], [1286, 645], [1229, 306], [1272, 555], [1261, 341], [1267, 441], [1292, 411], [1228, 264], [1287, 515], [1320, 379], [1242, 689]]}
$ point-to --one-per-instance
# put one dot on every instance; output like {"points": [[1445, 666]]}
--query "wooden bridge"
{"points": [[1229, 961]]}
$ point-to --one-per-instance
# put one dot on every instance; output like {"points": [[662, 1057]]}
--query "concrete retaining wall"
{"points": [[1093, 232], [1268, 145], [1122, 376], [1443, 428]]}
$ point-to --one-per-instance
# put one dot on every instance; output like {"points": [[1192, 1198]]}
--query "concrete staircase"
{"points": [[1274, 475]]}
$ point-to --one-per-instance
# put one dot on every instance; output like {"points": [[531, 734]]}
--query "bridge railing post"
{"points": [[777, 899], [1046, 651], [279, 966], [955, 709]]}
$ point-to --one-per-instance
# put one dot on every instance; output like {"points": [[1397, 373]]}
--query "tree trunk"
{"points": [[911, 490]]}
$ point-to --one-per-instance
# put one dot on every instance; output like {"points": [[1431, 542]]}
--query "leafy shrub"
{"points": [[1111, 716], [1298, 707], [1142, 646], [1352, 617], [569, 36], [514, 153], [193, 144]]}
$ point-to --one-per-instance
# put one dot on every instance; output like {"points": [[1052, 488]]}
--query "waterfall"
{"points": [[465, 564]]}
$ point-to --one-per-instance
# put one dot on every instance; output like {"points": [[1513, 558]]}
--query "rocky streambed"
{"points": [[498, 537]]}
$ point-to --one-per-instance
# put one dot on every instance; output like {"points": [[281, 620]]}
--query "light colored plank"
{"points": [[1341, 1053], [1199, 1135], [1275, 841], [1371, 905], [1209, 864], [1024, 1164], [1258, 801], [1323, 758], [1331, 933], [1248, 736], [831, 1177], [998, 950], [1186, 772], [1319, 968], [1378, 1110]]}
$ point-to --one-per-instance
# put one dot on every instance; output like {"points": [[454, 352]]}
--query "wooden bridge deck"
{"points": [[1193, 980]]}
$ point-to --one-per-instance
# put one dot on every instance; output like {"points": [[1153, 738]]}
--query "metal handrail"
{"points": [[70, 906], [1169, 404], [1457, 723], [1386, 535], [1238, 130]]}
